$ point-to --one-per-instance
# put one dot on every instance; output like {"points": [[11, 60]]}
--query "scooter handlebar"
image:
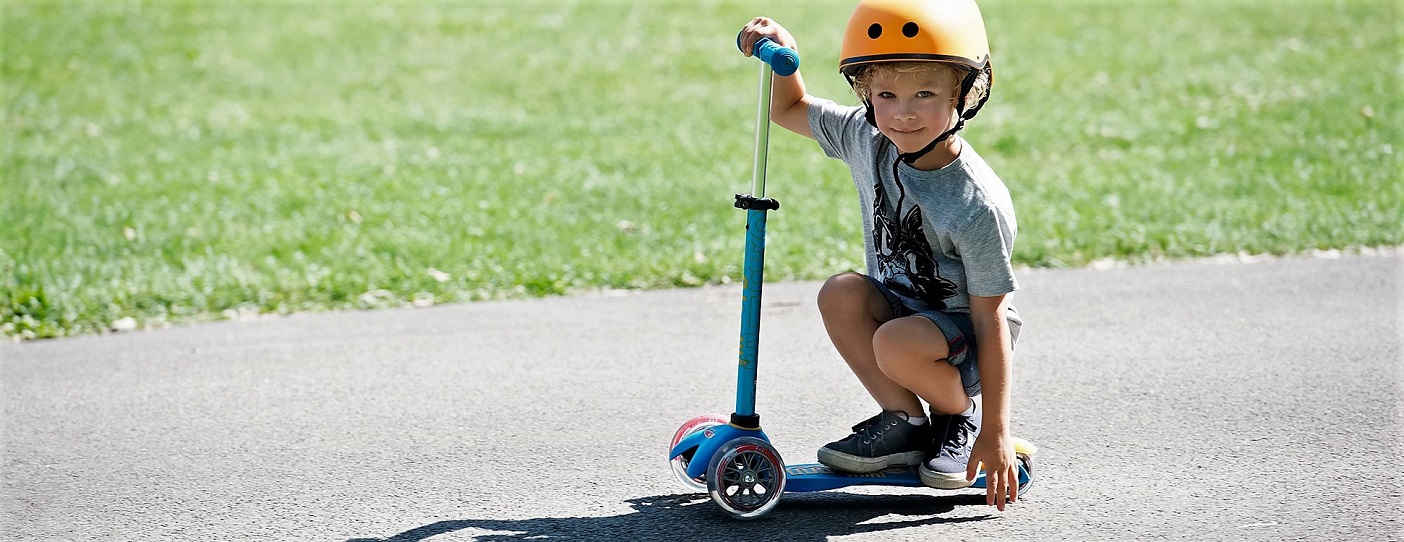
{"points": [[784, 60]]}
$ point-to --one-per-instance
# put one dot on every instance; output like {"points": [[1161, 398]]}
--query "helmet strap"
{"points": [[965, 86], [912, 157]]}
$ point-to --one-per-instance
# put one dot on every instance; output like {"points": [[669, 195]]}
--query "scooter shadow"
{"points": [[801, 517]]}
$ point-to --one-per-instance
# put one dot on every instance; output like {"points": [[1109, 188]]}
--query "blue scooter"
{"points": [[732, 458]]}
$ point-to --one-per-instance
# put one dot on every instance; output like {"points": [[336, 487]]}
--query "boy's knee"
{"points": [[844, 291]]}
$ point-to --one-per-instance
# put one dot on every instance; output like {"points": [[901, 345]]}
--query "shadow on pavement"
{"points": [[810, 516]]}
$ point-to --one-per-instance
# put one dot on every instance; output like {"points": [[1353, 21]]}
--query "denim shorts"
{"points": [[959, 332]]}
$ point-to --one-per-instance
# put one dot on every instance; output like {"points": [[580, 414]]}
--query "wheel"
{"points": [[1026, 461], [679, 463], [746, 478]]}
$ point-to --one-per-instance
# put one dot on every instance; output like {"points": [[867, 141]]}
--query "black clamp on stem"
{"points": [[745, 422], [749, 202]]}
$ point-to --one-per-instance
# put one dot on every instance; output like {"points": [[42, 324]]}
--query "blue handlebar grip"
{"points": [[784, 60]]}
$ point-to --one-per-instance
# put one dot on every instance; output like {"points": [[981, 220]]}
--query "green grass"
{"points": [[183, 161]]}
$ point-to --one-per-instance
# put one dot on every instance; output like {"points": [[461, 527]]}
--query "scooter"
{"points": [[731, 457]]}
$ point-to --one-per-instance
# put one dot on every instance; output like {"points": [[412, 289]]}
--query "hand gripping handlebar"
{"points": [[784, 60]]}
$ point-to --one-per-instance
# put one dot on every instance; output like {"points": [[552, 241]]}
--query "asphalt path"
{"points": [[1208, 400]]}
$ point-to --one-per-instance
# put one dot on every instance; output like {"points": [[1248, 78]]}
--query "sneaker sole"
{"points": [[863, 465], [943, 480]]}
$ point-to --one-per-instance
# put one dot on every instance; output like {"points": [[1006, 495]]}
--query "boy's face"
{"points": [[913, 108]]}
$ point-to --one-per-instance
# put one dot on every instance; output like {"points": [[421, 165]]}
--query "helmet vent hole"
{"points": [[875, 30], [910, 30]]}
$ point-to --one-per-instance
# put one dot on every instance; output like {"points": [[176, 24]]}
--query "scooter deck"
{"points": [[816, 477]]}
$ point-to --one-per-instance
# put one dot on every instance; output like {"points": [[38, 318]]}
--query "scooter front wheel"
{"points": [[746, 478], [679, 463]]}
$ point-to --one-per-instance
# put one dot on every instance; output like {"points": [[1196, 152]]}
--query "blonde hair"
{"points": [[955, 74]]}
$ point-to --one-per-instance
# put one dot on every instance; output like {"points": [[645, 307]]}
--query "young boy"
{"points": [[931, 319]]}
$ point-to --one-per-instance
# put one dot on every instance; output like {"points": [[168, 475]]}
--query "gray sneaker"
{"points": [[945, 462], [882, 441]]}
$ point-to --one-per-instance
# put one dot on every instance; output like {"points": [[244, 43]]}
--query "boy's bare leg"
{"points": [[853, 310], [912, 352]]}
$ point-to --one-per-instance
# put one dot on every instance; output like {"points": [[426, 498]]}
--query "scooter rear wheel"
{"points": [[746, 478], [1026, 461]]}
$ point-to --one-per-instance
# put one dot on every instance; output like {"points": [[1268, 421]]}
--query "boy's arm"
{"points": [[995, 446], [789, 103]]}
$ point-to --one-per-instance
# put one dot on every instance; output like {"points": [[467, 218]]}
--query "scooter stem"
{"points": [[762, 133], [753, 268]]}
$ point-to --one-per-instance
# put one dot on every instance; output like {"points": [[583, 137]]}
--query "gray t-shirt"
{"points": [[936, 237]]}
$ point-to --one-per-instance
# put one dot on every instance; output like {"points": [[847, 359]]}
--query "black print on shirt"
{"points": [[904, 255]]}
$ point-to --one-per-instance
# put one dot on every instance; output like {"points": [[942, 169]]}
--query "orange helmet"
{"points": [[897, 30], [951, 31]]}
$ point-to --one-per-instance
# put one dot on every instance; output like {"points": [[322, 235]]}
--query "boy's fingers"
{"points": [[748, 41], [1014, 485], [1008, 489], [751, 33]]}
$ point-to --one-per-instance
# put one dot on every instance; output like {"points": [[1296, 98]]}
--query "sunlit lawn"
{"points": [[177, 161]]}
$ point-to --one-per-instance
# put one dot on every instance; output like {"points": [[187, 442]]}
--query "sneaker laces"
{"points": [[962, 427], [863, 426], [869, 434]]}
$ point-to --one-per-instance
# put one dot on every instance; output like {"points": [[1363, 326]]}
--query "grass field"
{"points": [[175, 161]]}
